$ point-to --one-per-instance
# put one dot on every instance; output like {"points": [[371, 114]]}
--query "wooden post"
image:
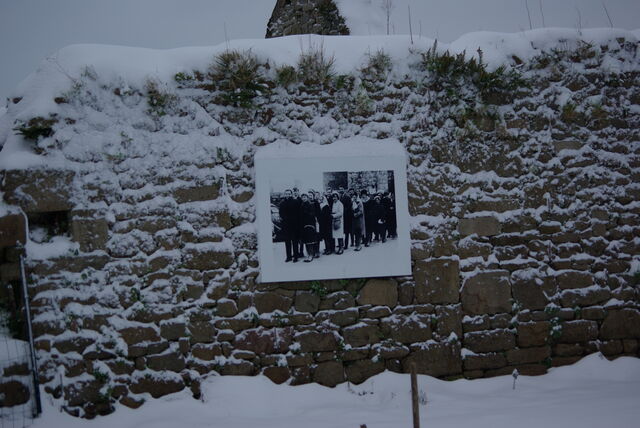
{"points": [[414, 396]]}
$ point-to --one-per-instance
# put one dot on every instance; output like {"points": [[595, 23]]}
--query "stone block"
{"points": [[271, 301], [377, 312], [574, 279], [487, 293], [469, 248], [158, 386], [489, 341], [339, 318], [91, 234], [531, 290], [197, 193], [578, 331], [264, 341], [315, 341], [437, 359], [361, 370], [533, 333], [226, 308], [407, 329], [621, 324], [567, 350], [132, 402], [584, 296], [449, 320], [559, 146], [173, 330], [361, 334], [207, 257], [202, 331], [240, 368], [13, 230], [379, 292], [171, 361], [38, 190], [528, 355], [405, 294], [145, 348], [481, 226], [306, 301], [206, 351], [437, 281], [610, 348], [277, 375], [330, 373], [137, 334], [484, 361]]}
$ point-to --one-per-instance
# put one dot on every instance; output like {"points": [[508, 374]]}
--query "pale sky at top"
{"points": [[30, 30]]}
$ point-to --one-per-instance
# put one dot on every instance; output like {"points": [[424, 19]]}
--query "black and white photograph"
{"points": [[332, 217]]}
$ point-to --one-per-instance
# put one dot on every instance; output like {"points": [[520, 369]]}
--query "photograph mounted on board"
{"points": [[327, 212]]}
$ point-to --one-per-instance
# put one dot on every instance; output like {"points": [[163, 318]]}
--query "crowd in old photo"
{"points": [[312, 224]]}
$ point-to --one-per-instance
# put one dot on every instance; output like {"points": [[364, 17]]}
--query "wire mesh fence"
{"points": [[19, 394]]}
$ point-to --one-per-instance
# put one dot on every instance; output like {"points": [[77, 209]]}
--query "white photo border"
{"points": [[299, 160]]}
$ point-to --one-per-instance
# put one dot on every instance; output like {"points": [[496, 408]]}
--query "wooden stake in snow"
{"points": [[414, 396]]}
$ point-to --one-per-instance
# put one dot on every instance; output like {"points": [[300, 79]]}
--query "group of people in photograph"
{"points": [[337, 219]]}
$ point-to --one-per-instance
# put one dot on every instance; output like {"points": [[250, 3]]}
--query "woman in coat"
{"points": [[337, 217]]}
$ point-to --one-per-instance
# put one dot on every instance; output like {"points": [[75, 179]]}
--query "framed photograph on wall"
{"points": [[332, 211]]}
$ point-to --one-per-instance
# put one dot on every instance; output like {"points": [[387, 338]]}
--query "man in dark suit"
{"points": [[298, 246], [289, 216], [347, 216], [369, 220]]}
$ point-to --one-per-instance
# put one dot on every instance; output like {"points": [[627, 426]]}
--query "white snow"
{"points": [[594, 392], [132, 67]]}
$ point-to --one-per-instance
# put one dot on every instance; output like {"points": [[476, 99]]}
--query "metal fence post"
{"points": [[32, 349]]}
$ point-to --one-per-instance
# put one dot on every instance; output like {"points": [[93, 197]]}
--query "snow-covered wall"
{"points": [[138, 186]]}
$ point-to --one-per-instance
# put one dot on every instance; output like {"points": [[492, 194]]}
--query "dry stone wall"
{"points": [[525, 228], [291, 17]]}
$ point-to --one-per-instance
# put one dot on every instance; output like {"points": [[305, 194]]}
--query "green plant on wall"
{"points": [[36, 128], [315, 67], [159, 99], [318, 289], [239, 77]]}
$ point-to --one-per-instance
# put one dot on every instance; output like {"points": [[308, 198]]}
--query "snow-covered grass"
{"points": [[594, 392]]}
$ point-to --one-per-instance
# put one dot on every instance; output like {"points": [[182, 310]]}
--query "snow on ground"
{"points": [[594, 392]]}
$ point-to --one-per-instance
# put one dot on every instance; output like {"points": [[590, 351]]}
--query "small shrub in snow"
{"points": [[378, 67], [315, 67], [569, 113], [447, 69], [36, 128], [182, 77], [239, 77], [286, 75], [160, 100]]}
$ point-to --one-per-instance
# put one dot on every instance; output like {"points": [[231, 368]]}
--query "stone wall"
{"points": [[525, 225], [291, 17]]}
